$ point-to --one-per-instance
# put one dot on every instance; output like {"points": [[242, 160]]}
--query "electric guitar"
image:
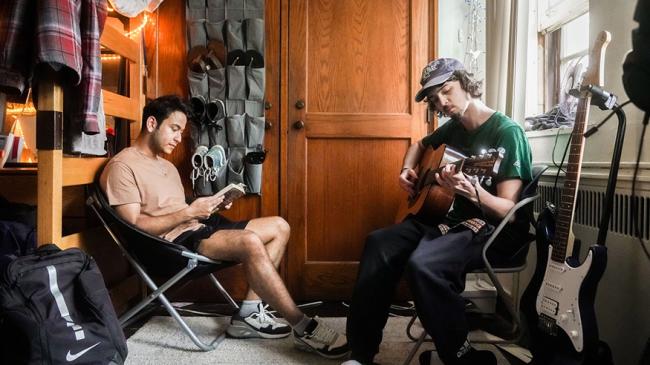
{"points": [[559, 301], [432, 201]]}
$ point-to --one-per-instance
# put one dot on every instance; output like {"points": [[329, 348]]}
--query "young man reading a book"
{"points": [[436, 255], [146, 190]]}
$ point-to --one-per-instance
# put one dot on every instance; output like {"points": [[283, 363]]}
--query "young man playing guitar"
{"points": [[438, 253]]}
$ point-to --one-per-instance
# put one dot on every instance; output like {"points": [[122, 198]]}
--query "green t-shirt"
{"points": [[500, 133]]}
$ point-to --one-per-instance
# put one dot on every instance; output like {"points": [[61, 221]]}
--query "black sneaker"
{"points": [[321, 339], [257, 324]]}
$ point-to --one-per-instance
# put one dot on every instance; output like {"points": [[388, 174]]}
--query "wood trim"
{"points": [[50, 196], [121, 106], [296, 15], [136, 82], [50, 175], [113, 39], [398, 129], [80, 171], [79, 240], [283, 122], [419, 47]]}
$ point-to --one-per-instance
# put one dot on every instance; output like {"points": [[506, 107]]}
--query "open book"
{"points": [[230, 193]]}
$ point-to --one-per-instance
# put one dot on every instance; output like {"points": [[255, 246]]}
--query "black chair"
{"points": [[494, 265], [151, 255]]}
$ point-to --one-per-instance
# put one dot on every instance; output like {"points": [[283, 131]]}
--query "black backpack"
{"points": [[55, 309]]}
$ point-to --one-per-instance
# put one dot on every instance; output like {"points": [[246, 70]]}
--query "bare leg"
{"points": [[274, 233], [246, 247]]}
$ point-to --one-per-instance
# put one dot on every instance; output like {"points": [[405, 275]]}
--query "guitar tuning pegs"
{"points": [[488, 181]]}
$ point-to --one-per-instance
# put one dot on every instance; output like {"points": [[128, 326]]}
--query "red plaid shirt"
{"points": [[63, 34]]}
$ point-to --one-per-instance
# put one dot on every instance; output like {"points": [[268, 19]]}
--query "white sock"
{"points": [[302, 324], [248, 307]]}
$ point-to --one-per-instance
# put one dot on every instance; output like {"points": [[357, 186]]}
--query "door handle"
{"points": [[299, 124]]}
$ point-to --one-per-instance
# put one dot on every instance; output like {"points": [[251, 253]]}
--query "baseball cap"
{"points": [[437, 72]]}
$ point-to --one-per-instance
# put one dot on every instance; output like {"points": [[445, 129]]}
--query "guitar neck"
{"points": [[571, 182]]}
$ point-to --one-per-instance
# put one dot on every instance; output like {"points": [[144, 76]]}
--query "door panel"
{"points": [[348, 64], [354, 68], [334, 190]]}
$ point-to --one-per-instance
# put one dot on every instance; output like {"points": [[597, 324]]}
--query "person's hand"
{"points": [[228, 206], [203, 207], [407, 180], [456, 181]]}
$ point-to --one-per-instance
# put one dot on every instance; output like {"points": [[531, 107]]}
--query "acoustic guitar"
{"points": [[431, 201], [559, 301]]}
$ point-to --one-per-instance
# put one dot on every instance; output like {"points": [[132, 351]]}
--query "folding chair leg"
{"points": [[205, 347], [223, 291], [152, 285], [158, 294]]}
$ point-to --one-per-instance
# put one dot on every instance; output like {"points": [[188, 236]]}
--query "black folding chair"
{"points": [[151, 255], [494, 264]]}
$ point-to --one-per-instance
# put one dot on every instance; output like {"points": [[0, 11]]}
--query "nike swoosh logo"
{"points": [[72, 357]]}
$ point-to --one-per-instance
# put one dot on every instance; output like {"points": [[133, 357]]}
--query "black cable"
{"points": [[557, 175], [635, 222]]}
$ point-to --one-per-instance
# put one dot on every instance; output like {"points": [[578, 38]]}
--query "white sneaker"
{"points": [[319, 338], [257, 324]]}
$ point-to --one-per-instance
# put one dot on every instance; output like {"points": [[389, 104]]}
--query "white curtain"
{"points": [[500, 40]]}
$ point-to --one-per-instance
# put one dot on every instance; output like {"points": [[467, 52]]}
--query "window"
{"points": [[562, 32], [566, 52]]}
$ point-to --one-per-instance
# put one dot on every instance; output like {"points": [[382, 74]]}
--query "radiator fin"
{"points": [[589, 208]]}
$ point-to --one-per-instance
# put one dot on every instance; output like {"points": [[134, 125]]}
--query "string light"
{"points": [[130, 34], [139, 27], [111, 57]]}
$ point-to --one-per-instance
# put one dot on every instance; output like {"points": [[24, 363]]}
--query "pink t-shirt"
{"points": [[133, 177]]}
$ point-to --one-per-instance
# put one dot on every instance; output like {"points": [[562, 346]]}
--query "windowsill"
{"points": [[548, 132]]}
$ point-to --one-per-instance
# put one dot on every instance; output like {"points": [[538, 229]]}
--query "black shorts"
{"points": [[217, 222]]}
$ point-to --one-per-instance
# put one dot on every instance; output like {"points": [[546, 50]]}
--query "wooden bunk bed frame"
{"points": [[56, 171]]}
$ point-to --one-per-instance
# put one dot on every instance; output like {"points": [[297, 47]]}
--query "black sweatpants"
{"points": [[436, 266]]}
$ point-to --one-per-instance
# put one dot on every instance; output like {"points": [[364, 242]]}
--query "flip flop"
{"points": [[237, 58], [255, 59], [218, 50], [195, 59]]}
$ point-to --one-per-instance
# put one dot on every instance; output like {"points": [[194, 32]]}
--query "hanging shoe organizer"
{"points": [[226, 78]]}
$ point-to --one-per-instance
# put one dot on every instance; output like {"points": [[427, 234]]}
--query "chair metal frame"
{"points": [[194, 263], [511, 301]]}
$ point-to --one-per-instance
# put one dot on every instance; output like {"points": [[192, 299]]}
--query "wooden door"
{"points": [[353, 72]]}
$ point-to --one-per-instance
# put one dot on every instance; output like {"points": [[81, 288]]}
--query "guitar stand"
{"points": [[602, 355], [605, 101]]}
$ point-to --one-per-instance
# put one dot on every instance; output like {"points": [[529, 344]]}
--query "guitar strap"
{"points": [[473, 224]]}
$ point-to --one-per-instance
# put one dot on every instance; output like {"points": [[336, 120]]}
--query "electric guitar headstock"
{"points": [[595, 73]]}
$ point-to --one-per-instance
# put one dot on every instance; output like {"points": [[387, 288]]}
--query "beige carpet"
{"points": [[161, 341]]}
